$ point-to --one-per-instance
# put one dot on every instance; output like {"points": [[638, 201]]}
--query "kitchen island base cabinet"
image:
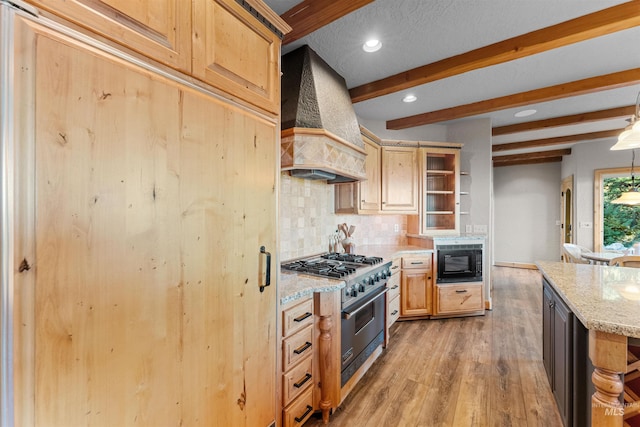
{"points": [[565, 356], [557, 350]]}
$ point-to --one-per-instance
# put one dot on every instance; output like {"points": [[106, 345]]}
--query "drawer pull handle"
{"points": [[302, 348], [461, 291], [309, 409], [394, 267], [394, 312], [300, 383], [394, 287], [301, 318], [416, 262]]}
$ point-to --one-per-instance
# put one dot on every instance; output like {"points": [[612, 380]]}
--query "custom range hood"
{"points": [[320, 133]]}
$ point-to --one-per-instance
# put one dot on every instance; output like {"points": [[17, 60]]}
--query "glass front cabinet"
{"points": [[440, 201]]}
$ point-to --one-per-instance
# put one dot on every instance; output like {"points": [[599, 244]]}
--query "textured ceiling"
{"points": [[419, 32]]}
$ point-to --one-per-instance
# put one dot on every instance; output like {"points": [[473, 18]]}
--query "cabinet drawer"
{"points": [[300, 410], [422, 262], [396, 263], [296, 348], [459, 298], [297, 317], [394, 310], [393, 284], [297, 380]]}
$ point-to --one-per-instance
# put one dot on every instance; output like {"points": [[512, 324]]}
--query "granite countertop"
{"points": [[604, 298], [293, 286]]}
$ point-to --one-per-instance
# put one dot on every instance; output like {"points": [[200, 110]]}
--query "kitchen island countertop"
{"points": [[605, 299], [294, 286]]}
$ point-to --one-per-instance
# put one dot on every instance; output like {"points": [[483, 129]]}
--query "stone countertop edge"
{"points": [[593, 293], [294, 286]]}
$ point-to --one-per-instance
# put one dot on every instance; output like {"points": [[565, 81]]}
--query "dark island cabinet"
{"points": [[557, 350]]}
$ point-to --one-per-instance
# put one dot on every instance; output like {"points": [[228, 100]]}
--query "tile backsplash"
{"points": [[307, 219]]}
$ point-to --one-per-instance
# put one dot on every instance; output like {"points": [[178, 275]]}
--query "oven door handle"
{"points": [[348, 314]]}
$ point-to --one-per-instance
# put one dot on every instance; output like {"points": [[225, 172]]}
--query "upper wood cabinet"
{"points": [[232, 54], [370, 190], [216, 41], [363, 197], [160, 29], [400, 180], [440, 174]]}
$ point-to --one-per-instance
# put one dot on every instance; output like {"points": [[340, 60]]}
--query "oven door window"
{"points": [[364, 316]]}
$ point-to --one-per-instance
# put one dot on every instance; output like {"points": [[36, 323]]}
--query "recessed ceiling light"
{"points": [[409, 98], [525, 113], [372, 45]]}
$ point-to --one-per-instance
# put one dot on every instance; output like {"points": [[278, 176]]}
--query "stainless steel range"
{"points": [[363, 305]]}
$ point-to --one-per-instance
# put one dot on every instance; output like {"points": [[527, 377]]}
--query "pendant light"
{"points": [[631, 197], [630, 137]]}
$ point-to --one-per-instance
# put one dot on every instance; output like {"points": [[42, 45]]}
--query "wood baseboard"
{"points": [[516, 265]]}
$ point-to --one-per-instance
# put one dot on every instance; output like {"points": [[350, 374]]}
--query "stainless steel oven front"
{"points": [[362, 331]]}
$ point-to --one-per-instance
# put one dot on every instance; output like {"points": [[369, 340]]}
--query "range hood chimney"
{"points": [[320, 132]]}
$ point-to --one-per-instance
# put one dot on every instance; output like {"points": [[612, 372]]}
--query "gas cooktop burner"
{"points": [[357, 259], [321, 267]]}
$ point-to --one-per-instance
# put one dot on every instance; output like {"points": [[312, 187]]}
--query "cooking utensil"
{"points": [[351, 230]]}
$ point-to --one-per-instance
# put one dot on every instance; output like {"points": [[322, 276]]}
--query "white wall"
{"points": [[475, 158], [526, 208]]}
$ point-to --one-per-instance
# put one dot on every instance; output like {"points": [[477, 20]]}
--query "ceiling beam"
{"points": [[308, 16], [559, 140], [606, 21], [549, 93], [529, 156], [575, 119], [528, 161]]}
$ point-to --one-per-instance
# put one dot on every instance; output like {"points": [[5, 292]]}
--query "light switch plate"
{"points": [[477, 228], [469, 228]]}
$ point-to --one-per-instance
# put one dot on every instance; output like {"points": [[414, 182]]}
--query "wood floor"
{"points": [[476, 371]]}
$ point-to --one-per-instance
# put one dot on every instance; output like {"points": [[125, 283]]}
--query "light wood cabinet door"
{"points": [[400, 180], [370, 190], [145, 205], [232, 52], [415, 293], [363, 197], [159, 29]]}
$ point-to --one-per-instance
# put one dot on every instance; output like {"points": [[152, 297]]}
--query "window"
{"points": [[616, 227]]}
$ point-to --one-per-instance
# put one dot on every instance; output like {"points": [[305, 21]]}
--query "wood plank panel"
{"points": [[108, 294], [529, 161], [558, 140], [549, 93], [592, 116], [616, 18], [310, 15]]}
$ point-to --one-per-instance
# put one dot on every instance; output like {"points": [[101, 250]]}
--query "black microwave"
{"points": [[459, 263]]}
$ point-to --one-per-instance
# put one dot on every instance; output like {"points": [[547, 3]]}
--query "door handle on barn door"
{"points": [[267, 279]]}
